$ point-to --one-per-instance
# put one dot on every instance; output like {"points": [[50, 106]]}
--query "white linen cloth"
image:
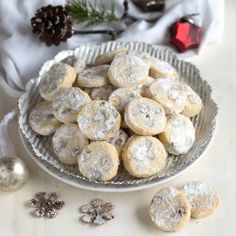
{"points": [[22, 54]]}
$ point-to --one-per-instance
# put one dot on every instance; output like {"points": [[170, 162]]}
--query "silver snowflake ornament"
{"points": [[46, 204], [97, 212]]}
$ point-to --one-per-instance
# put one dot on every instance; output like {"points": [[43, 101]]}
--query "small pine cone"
{"points": [[53, 24]]}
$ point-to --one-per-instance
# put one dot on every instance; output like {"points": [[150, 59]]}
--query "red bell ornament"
{"points": [[185, 34]]}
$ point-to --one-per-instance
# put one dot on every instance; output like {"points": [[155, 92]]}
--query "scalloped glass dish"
{"points": [[40, 148]]}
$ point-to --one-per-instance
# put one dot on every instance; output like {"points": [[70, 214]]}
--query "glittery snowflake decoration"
{"points": [[97, 212], [46, 204]]}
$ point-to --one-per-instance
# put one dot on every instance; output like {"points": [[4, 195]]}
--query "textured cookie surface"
{"points": [[170, 93], [107, 57], [98, 120], [68, 142], [67, 105], [99, 161], [179, 134], [118, 139], [59, 77], [193, 103], [145, 116], [122, 96], [102, 93], [42, 120], [93, 77], [169, 209], [127, 71], [143, 156], [159, 69], [203, 199]]}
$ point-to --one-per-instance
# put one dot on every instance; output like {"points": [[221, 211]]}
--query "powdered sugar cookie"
{"points": [[118, 139], [122, 96], [203, 199], [170, 93], [143, 156], [193, 103], [145, 116], [101, 93], [93, 77], [169, 209], [144, 88], [59, 77], [107, 57], [68, 142], [98, 120], [179, 134], [76, 62], [127, 71], [99, 161], [159, 69], [67, 105], [42, 120], [144, 56]]}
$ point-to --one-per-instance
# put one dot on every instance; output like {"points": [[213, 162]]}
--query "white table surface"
{"points": [[217, 167]]}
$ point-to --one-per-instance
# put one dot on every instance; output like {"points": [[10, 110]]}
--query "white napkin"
{"points": [[22, 53]]}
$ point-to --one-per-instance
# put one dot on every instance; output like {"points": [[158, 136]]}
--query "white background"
{"points": [[217, 167]]}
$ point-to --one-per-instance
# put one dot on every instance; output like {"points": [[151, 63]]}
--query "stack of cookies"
{"points": [[128, 106]]}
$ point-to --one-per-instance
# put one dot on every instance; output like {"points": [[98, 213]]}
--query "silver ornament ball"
{"points": [[13, 173]]}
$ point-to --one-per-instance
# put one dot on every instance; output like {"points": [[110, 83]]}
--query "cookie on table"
{"points": [[159, 69], [93, 77], [118, 139], [42, 119], [60, 76], [67, 105], [203, 199], [169, 209], [98, 120], [193, 103], [107, 57], [179, 134], [143, 156], [99, 161], [102, 93], [145, 116], [122, 96], [170, 93], [68, 143], [127, 71]]}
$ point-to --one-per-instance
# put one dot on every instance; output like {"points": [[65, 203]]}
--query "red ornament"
{"points": [[184, 34]]}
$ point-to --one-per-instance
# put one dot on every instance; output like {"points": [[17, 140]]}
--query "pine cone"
{"points": [[53, 24]]}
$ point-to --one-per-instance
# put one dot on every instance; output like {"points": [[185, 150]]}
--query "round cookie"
{"points": [[42, 120], [203, 199], [99, 161], [118, 139], [59, 77], [107, 57], [98, 120], [67, 105], [101, 93], [122, 96], [143, 156], [68, 142], [145, 116], [127, 71], [170, 93], [159, 69], [179, 134], [169, 209], [75, 62], [93, 77], [144, 56], [193, 103]]}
